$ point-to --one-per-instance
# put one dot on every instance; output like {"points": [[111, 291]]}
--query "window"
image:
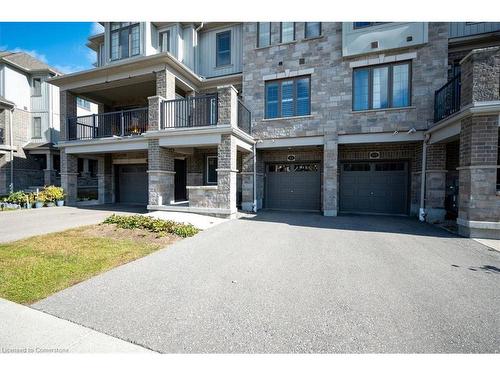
{"points": [[82, 103], [288, 97], [223, 48], [125, 41], [361, 25], [165, 41], [100, 56], [93, 167], [312, 29], [287, 32], [263, 34], [382, 86], [37, 128], [37, 87], [211, 171]]}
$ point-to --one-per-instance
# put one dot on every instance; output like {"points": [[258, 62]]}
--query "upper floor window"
{"points": [[287, 32], [361, 25], [381, 86], [82, 103], [125, 41], [263, 34], [37, 128], [223, 46], [288, 97], [36, 89], [312, 29], [165, 41]]}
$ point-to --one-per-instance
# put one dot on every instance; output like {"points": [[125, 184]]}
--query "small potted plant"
{"points": [[30, 198], [40, 200], [54, 195]]}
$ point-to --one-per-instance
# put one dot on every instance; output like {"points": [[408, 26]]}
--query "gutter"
{"points": [[11, 141]]}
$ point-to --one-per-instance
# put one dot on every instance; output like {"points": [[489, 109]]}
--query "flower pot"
{"points": [[60, 203], [28, 205], [38, 204], [51, 204]]}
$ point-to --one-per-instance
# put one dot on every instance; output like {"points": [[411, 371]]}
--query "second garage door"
{"points": [[132, 184], [293, 186], [374, 187]]}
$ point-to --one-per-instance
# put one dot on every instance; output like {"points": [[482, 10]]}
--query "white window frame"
{"points": [[33, 136], [124, 25], [169, 40], [33, 92], [206, 172]]}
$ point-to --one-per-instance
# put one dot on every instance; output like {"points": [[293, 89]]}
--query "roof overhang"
{"points": [[138, 66]]}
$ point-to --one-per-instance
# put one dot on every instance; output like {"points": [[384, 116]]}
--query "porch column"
{"points": [[105, 179], [160, 174], [67, 109], [228, 105], [247, 184], [479, 201], [330, 179], [435, 182], [165, 84], [69, 176], [49, 174], [226, 174]]}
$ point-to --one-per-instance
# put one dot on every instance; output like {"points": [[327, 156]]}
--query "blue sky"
{"points": [[59, 44]]}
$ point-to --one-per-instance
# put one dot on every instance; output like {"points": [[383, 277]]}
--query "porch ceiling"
{"points": [[134, 90]]}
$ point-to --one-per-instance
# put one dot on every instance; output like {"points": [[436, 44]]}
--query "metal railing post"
{"points": [[122, 124], [93, 126]]}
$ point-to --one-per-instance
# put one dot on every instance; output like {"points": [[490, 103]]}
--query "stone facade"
{"points": [[160, 174], [331, 90]]}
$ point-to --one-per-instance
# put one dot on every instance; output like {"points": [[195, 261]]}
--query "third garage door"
{"points": [[293, 186], [374, 187]]}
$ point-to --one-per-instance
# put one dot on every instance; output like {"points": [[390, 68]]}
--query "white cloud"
{"points": [[66, 69], [97, 28]]}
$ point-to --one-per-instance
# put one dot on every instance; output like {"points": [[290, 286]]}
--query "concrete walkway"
{"points": [[15, 225], [24, 330], [300, 283]]}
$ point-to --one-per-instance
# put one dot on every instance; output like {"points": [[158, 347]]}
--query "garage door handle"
{"points": [[371, 192]]}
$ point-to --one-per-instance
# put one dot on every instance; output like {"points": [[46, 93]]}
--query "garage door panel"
{"points": [[133, 184], [293, 186], [374, 187]]}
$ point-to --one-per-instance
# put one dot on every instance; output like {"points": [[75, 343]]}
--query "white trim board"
{"points": [[402, 136]]}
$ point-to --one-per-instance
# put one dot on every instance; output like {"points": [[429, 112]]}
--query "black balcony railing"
{"points": [[121, 123], [447, 99], [2, 136], [244, 118], [189, 112]]}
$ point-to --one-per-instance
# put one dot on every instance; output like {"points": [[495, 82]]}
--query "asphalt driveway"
{"points": [[284, 282], [15, 225]]}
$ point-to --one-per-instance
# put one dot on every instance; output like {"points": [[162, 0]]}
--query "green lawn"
{"points": [[39, 266]]}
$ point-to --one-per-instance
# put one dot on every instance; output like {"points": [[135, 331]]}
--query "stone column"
{"points": [[67, 110], [69, 176], [228, 105], [435, 182], [165, 84], [226, 174], [105, 179], [49, 174], [160, 174], [479, 201], [247, 185], [330, 178]]}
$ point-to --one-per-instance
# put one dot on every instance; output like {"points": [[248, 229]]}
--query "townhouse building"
{"points": [[353, 117], [29, 122]]}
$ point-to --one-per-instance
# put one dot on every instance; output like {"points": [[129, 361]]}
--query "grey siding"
{"points": [[207, 52], [461, 29]]}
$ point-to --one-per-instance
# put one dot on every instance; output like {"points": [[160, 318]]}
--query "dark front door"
{"points": [[180, 179]]}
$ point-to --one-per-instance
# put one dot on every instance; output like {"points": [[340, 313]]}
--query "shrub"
{"points": [[152, 224], [17, 197], [53, 193]]}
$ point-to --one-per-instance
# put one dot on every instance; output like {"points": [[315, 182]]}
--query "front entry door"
{"points": [[180, 179]]}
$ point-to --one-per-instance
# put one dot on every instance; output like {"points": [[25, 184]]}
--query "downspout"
{"points": [[422, 214], [255, 177], [11, 141]]}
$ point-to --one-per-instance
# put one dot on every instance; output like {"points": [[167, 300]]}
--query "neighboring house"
{"points": [[330, 117], [29, 122]]}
